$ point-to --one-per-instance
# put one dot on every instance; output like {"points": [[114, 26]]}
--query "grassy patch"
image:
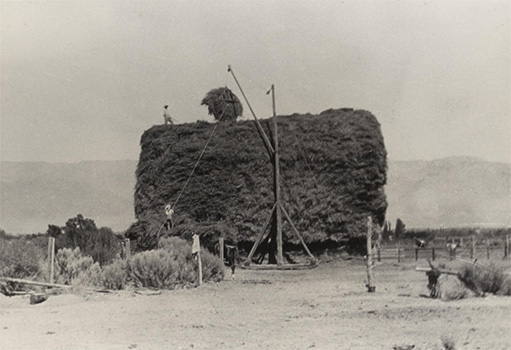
{"points": [[482, 280]]}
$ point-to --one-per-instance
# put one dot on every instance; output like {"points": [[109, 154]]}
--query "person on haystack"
{"points": [[169, 223], [166, 116]]}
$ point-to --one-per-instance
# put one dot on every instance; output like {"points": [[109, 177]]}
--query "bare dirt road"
{"points": [[324, 308]]}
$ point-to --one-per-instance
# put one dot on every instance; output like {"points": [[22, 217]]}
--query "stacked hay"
{"points": [[333, 169]]}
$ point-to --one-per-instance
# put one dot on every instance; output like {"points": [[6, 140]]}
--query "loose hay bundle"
{"points": [[333, 169]]}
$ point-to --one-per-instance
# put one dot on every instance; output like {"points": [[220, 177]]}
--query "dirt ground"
{"points": [[323, 308]]}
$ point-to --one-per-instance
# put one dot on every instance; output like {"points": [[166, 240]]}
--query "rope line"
{"points": [[193, 170], [200, 156]]}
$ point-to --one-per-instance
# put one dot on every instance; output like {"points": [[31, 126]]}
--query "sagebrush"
{"points": [[171, 266], [21, 258], [486, 279]]}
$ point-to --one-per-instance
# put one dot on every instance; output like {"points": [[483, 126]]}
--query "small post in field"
{"points": [[473, 251], [196, 252], [127, 247], [200, 268], [416, 254], [398, 252], [433, 253], [369, 259], [488, 248], [51, 258], [506, 247], [379, 253], [221, 248]]}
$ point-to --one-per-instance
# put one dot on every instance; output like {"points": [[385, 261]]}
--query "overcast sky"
{"points": [[82, 80]]}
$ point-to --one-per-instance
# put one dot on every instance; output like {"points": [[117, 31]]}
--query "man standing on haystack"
{"points": [[169, 223], [166, 116]]}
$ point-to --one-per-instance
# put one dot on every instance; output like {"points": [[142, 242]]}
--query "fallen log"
{"points": [[34, 283], [426, 269]]}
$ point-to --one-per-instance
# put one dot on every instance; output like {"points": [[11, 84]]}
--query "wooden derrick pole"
{"points": [[276, 254], [260, 130], [277, 226]]}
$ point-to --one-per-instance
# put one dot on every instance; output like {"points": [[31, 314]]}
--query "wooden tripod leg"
{"points": [[296, 232], [260, 237], [264, 252]]}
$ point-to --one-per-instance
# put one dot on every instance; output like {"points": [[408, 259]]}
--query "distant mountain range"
{"points": [[450, 192], [33, 195], [457, 191]]}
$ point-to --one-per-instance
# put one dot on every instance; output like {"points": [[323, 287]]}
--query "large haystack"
{"points": [[333, 169]]}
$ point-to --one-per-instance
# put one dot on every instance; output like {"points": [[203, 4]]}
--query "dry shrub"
{"points": [[505, 288], [212, 267], [115, 275], [483, 280], [71, 267], [21, 258], [171, 266], [452, 289], [153, 268]]}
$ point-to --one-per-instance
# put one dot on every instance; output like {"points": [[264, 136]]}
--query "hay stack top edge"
{"points": [[333, 172]]}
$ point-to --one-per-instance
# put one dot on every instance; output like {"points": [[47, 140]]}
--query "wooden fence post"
{"points": [[416, 254], [127, 246], [488, 248], [398, 252], [433, 253], [51, 258], [369, 260], [221, 248], [200, 268], [379, 253], [196, 252], [473, 251], [507, 245]]}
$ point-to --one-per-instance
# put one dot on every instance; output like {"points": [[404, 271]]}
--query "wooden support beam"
{"points": [[260, 237], [260, 129], [297, 233]]}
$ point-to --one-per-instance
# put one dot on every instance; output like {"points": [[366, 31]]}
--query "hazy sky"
{"points": [[82, 80]]}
